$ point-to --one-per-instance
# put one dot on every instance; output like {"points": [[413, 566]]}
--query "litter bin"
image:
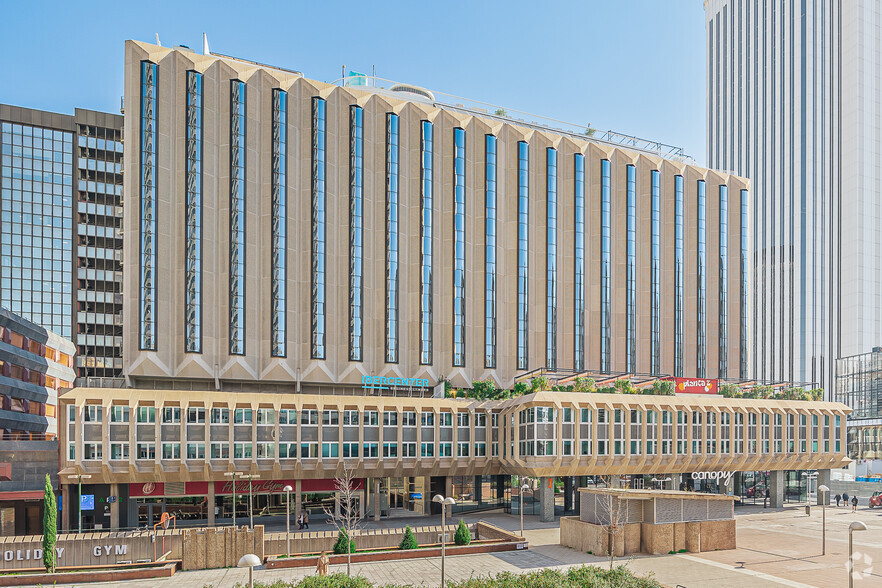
{"points": [[808, 509]]}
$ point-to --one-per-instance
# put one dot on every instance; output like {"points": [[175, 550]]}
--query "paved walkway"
{"points": [[779, 547]]}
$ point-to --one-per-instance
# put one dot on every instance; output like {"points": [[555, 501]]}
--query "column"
{"points": [[64, 519], [209, 503], [546, 500], [776, 489], [824, 479], [114, 507], [615, 481], [377, 500], [568, 493], [737, 481]]}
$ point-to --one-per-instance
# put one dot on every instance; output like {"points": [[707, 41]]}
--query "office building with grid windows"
{"points": [[61, 198]]}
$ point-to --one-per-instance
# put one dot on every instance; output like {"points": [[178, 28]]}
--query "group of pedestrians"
{"points": [[844, 498], [303, 520]]}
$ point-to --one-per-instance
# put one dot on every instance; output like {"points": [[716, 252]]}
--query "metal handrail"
{"points": [[486, 109]]}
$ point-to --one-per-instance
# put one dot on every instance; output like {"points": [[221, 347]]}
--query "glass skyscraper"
{"points": [[61, 199], [36, 229]]}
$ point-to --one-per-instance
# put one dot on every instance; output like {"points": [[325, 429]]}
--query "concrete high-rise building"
{"points": [[61, 239], [793, 105], [359, 231]]}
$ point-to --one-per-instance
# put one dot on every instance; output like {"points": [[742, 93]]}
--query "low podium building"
{"points": [[650, 521]]}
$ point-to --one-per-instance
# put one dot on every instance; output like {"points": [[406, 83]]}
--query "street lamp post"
{"points": [[523, 488], [250, 477], [823, 490], [80, 478], [855, 526], [233, 476], [443, 502], [287, 490]]}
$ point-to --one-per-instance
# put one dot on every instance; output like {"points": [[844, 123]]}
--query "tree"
{"points": [[485, 390], [520, 389], [344, 515], [462, 536], [50, 511], [539, 384], [500, 112], [409, 541], [583, 384], [609, 511], [663, 388], [730, 391]]}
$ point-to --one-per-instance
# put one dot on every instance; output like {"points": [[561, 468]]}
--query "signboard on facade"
{"points": [[226, 487], [695, 386], [379, 383]]}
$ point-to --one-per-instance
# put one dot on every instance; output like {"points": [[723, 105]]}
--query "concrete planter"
{"points": [[489, 546], [166, 570]]}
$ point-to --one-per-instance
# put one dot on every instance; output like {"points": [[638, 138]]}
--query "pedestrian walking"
{"points": [[854, 502], [845, 499], [838, 498], [306, 519], [321, 566], [300, 518]]}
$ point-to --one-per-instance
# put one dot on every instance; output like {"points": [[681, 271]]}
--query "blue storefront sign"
{"points": [[87, 502]]}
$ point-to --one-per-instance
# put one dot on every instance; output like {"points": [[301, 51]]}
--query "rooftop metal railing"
{"points": [[519, 117]]}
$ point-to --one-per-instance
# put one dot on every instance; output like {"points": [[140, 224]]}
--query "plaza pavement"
{"points": [[777, 547]]}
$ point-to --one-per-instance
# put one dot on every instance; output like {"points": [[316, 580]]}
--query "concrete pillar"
{"points": [[377, 500], [64, 519], [615, 481], [737, 481], [568, 493], [209, 503], [114, 507], [776, 489], [546, 500], [298, 499], [824, 479]]}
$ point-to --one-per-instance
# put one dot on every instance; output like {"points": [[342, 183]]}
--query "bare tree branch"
{"points": [[344, 515], [609, 510]]}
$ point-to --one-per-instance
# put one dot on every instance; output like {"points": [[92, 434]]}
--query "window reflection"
{"points": [[490, 247], [149, 73], [579, 189], [193, 217], [724, 282], [237, 216], [318, 230], [679, 268], [279, 230], [605, 254], [356, 231], [745, 261], [551, 260], [655, 271], [701, 318], [631, 270], [459, 245], [426, 234], [523, 249], [392, 238]]}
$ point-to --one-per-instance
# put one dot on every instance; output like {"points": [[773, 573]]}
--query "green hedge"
{"points": [[582, 577]]}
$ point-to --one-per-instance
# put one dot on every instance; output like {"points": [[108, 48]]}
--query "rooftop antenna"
{"points": [[158, 42], [205, 49]]}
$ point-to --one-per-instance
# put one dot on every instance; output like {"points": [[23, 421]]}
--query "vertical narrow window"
{"points": [[745, 260], [579, 315], [356, 231], [147, 286], [631, 270], [193, 217], [317, 310], [679, 277], [391, 238], [605, 255], [655, 270], [551, 256], [724, 282], [426, 234], [459, 213], [279, 231], [490, 252], [523, 249], [237, 217], [701, 326]]}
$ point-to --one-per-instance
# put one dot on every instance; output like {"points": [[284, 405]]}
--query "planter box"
{"points": [[77, 577], [491, 546]]}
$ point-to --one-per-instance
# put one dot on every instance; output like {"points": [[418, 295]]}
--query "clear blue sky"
{"points": [[634, 66]]}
